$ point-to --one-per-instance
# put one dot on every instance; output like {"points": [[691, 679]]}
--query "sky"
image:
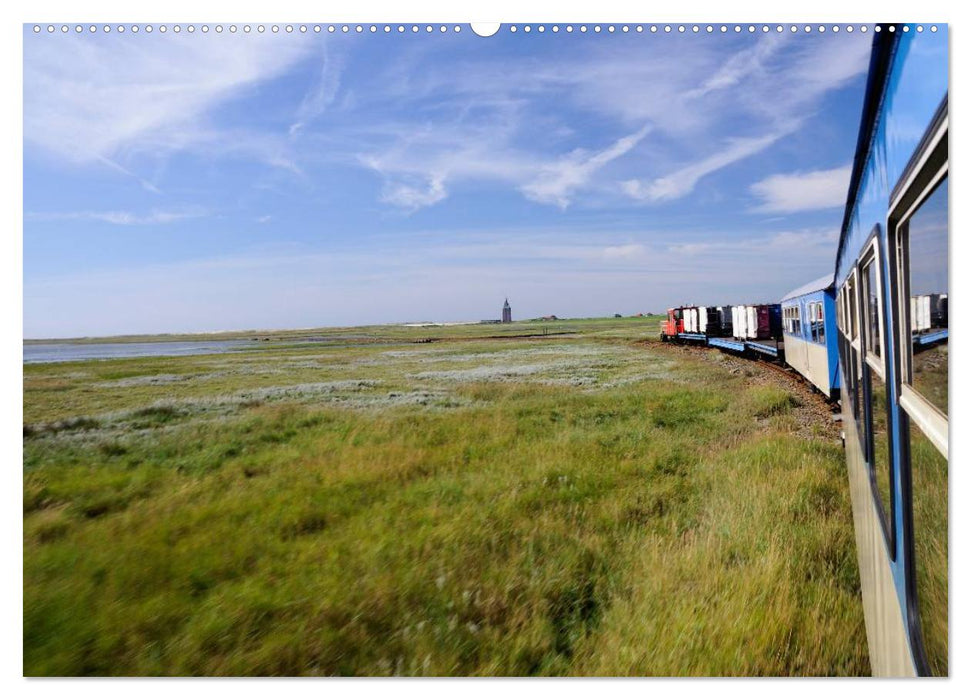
{"points": [[189, 182]]}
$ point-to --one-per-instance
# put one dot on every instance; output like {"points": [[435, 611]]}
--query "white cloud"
{"points": [[802, 191], [740, 100], [321, 95], [556, 181], [121, 218], [98, 98], [683, 181], [794, 244], [624, 252], [413, 197]]}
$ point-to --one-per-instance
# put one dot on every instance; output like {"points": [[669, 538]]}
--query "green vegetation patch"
{"points": [[641, 524]]}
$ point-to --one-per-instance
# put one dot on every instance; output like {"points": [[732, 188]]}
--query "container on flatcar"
{"points": [[709, 321], [725, 319], [757, 322], [691, 320], [928, 311], [738, 322]]}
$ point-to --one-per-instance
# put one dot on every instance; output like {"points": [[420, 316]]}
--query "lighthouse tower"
{"points": [[506, 312]]}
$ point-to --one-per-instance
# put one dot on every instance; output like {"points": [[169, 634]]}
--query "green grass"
{"points": [[582, 506]]}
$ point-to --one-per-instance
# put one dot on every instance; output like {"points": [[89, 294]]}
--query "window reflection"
{"points": [[926, 234], [851, 302], [872, 301], [928, 469], [880, 461]]}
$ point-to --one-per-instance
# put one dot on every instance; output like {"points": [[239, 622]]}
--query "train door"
{"points": [[803, 320]]}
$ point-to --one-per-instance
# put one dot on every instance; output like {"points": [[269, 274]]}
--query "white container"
{"points": [[691, 323], [921, 312], [738, 321], [751, 322]]}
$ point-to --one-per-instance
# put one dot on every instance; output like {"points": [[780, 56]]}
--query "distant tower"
{"points": [[506, 312]]}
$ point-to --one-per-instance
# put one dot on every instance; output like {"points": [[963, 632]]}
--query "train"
{"points": [[872, 336]]}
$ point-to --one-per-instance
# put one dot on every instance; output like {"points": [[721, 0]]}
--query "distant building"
{"points": [[506, 312]]}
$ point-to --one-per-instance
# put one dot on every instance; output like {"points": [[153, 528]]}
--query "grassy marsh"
{"points": [[582, 505]]}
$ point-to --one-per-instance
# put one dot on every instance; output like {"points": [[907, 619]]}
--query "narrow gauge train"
{"points": [[751, 329], [875, 334]]}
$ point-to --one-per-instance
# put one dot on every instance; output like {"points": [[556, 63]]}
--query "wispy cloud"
{"points": [[664, 110], [802, 191], [795, 242], [121, 218], [683, 181], [415, 196], [321, 94], [745, 64], [556, 181], [101, 98]]}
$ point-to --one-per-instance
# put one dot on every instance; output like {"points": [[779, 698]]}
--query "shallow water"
{"points": [[67, 352]]}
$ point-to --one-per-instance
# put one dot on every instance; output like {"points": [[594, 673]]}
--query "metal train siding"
{"points": [[893, 253]]}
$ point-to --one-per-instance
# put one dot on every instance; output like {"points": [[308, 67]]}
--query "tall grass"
{"points": [[663, 527]]}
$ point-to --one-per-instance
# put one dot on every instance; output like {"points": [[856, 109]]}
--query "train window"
{"points": [[844, 306], [875, 390], [928, 469], [820, 324], [924, 238], [921, 245], [879, 452], [851, 305], [871, 305], [851, 364], [790, 317], [814, 313]]}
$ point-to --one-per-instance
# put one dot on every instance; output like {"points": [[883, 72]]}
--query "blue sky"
{"points": [[177, 182]]}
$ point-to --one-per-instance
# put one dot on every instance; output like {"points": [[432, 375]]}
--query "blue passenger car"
{"points": [[809, 331], [893, 250]]}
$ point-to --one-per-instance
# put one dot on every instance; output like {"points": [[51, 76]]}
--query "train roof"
{"points": [[824, 282]]}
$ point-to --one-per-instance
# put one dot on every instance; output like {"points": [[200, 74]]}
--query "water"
{"points": [[66, 352]]}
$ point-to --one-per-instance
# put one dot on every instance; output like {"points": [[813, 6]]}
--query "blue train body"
{"points": [[892, 258], [809, 334]]}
